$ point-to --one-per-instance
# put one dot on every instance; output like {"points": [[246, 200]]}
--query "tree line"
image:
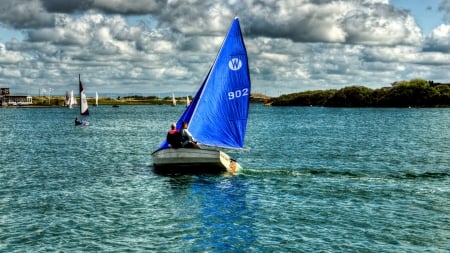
{"points": [[413, 93]]}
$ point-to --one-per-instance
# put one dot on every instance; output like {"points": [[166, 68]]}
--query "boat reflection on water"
{"points": [[215, 209]]}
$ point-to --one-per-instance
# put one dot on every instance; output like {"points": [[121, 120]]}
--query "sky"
{"points": [[160, 47]]}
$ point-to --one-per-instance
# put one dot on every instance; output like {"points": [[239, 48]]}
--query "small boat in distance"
{"points": [[84, 111], [96, 99], [174, 101], [67, 99], [72, 101], [216, 117]]}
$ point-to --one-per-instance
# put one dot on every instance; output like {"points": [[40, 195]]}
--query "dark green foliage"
{"points": [[307, 98], [443, 97], [136, 97], [414, 93], [354, 96]]}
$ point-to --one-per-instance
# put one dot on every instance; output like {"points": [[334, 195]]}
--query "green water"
{"points": [[314, 180]]}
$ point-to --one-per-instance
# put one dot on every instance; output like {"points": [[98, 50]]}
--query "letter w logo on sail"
{"points": [[235, 64]]}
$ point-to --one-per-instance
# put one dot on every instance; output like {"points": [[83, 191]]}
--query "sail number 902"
{"points": [[237, 94]]}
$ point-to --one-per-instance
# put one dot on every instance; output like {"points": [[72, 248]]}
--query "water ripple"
{"points": [[314, 179]]}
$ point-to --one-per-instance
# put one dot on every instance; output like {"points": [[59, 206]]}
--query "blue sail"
{"points": [[217, 115]]}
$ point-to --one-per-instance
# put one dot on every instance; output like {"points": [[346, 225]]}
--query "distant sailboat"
{"points": [[217, 116], [174, 101], [84, 111], [187, 101], [72, 100], [96, 98], [67, 99]]}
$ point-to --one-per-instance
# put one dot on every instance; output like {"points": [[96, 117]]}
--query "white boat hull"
{"points": [[190, 160]]}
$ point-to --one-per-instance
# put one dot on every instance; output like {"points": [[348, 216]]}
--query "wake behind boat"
{"points": [[217, 115]]}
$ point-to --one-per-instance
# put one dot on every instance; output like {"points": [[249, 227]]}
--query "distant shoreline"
{"points": [[58, 101], [416, 93]]}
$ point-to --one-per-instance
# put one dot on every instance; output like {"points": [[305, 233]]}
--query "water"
{"points": [[314, 180]]}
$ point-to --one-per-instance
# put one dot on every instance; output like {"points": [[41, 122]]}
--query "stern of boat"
{"points": [[188, 160]]}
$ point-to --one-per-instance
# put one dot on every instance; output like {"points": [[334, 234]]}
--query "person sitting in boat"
{"points": [[77, 122], [187, 140], [174, 137]]}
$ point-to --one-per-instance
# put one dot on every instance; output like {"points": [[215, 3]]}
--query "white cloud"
{"points": [[376, 29], [293, 45], [439, 39], [9, 57], [10, 73]]}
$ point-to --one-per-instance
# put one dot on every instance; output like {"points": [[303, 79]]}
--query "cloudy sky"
{"points": [[156, 47]]}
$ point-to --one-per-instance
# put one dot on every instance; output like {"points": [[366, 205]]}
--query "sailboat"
{"points": [[72, 100], [67, 99], [187, 101], [174, 101], [84, 111], [96, 98], [217, 116]]}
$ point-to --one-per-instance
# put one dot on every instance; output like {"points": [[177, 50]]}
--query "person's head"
{"points": [[185, 125], [173, 126]]}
